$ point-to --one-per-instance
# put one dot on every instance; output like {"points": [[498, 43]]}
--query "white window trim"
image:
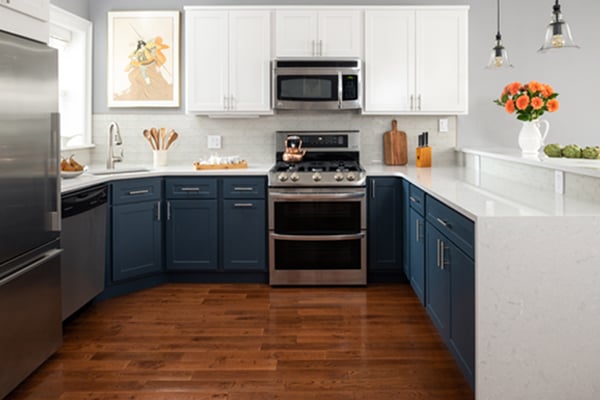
{"points": [[70, 21]]}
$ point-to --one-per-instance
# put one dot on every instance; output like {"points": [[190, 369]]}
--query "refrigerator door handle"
{"points": [[54, 217], [47, 256]]}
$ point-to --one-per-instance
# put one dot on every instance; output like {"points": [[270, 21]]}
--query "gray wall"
{"points": [[78, 7], [487, 125]]}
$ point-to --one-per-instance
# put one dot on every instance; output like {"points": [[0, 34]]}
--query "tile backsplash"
{"points": [[253, 138]]}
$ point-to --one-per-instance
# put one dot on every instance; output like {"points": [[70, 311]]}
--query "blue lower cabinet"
{"points": [[438, 281], [136, 239], [192, 239], [416, 235], [244, 235], [462, 311], [384, 208], [405, 228]]}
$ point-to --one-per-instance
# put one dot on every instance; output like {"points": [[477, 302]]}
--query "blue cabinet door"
{"points": [[416, 238], [192, 236], [384, 230], [136, 239], [437, 285], [462, 310], [405, 228], [244, 235]]}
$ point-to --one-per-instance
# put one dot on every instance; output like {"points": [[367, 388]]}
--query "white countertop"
{"points": [[455, 186]]}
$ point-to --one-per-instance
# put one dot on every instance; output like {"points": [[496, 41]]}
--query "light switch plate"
{"points": [[443, 125], [214, 141]]}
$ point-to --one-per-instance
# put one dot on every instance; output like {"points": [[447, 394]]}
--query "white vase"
{"points": [[531, 139]]}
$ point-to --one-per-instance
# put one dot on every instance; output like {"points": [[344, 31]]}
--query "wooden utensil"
{"points": [[394, 146], [156, 138], [171, 138], [149, 138], [163, 136]]}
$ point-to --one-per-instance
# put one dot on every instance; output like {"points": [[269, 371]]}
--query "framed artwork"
{"points": [[143, 59]]}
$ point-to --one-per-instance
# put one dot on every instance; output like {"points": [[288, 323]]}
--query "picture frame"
{"points": [[143, 59]]}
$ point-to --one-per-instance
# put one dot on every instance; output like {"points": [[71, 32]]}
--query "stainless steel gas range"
{"points": [[317, 210]]}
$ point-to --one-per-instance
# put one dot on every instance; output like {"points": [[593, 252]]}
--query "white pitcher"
{"points": [[530, 137]]}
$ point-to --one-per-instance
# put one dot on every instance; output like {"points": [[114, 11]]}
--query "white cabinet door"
{"points": [[339, 33], [295, 33], [249, 61], [206, 38], [441, 81], [389, 61], [39, 9]]}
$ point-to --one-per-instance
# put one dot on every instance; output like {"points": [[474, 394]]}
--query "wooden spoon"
{"points": [[156, 138], [163, 136], [172, 137], [149, 139]]}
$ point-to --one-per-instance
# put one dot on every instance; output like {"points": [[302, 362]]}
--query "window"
{"points": [[72, 37]]}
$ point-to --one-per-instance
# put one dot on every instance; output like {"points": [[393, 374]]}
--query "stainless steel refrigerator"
{"points": [[30, 303]]}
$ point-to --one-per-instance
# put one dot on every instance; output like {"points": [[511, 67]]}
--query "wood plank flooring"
{"points": [[251, 342]]}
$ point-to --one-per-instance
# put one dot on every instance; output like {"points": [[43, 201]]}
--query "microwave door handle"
{"points": [[340, 89]]}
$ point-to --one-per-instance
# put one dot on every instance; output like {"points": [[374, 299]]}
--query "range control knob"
{"points": [[351, 176], [338, 177], [317, 177], [282, 177], [295, 177]]}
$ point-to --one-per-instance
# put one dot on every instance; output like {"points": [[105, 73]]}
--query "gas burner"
{"points": [[320, 166]]}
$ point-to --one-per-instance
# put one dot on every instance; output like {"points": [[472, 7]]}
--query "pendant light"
{"points": [[499, 56], [558, 33]]}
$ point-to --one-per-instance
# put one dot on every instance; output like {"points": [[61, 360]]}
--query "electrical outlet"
{"points": [[443, 125], [214, 141]]}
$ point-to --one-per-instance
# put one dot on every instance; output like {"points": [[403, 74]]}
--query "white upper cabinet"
{"points": [[228, 61], [416, 60], [27, 18], [318, 32]]}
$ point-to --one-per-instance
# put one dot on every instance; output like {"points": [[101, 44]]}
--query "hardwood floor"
{"points": [[251, 342]]}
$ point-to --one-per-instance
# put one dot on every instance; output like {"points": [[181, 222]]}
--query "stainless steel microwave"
{"points": [[317, 84]]}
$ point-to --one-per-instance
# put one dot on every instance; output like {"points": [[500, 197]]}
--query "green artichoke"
{"points": [[553, 150], [571, 151], [591, 153]]}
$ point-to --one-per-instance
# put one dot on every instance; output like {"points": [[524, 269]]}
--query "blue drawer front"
{"points": [[244, 188], [191, 188], [136, 190], [416, 199], [453, 224]]}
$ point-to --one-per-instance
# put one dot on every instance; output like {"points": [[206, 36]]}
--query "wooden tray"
{"points": [[240, 165]]}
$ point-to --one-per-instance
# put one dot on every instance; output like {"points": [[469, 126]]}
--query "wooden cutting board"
{"points": [[394, 146]]}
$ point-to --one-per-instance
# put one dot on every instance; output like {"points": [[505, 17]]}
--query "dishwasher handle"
{"points": [[77, 203]]}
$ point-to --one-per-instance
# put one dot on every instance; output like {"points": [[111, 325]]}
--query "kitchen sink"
{"points": [[118, 171]]}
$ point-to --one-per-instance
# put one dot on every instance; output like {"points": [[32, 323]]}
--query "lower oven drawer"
{"points": [[290, 253]]}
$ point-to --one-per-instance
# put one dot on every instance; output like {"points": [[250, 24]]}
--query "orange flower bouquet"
{"points": [[528, 101]]}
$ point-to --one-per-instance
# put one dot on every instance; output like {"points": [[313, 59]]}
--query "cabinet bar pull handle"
{"points": [[419, 102], [190, 189], [418, 233], [158, 210], [414, 199], [321, 48], [243, 205], [437, 261], [138, 192], [412, 101], [373, 189], [442, 256], [243, 189], [444, 223], [168, 210]]}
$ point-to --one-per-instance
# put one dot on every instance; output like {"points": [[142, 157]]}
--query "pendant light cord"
{"points": [[498, 36]]}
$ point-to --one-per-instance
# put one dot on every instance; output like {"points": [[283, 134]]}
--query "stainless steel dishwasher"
{"points": [[83, 239]]}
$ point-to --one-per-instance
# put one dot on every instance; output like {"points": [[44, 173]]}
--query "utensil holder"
{"points": [[159, 158]]}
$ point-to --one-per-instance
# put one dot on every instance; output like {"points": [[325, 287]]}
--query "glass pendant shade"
{"points": [[498, 56], [558, 33]]}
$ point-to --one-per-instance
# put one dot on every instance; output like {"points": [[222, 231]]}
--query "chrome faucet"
{"points": [[114, 139]]}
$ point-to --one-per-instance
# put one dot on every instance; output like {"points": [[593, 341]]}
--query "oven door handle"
{"points": [[306, 238], [315, 196]]}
